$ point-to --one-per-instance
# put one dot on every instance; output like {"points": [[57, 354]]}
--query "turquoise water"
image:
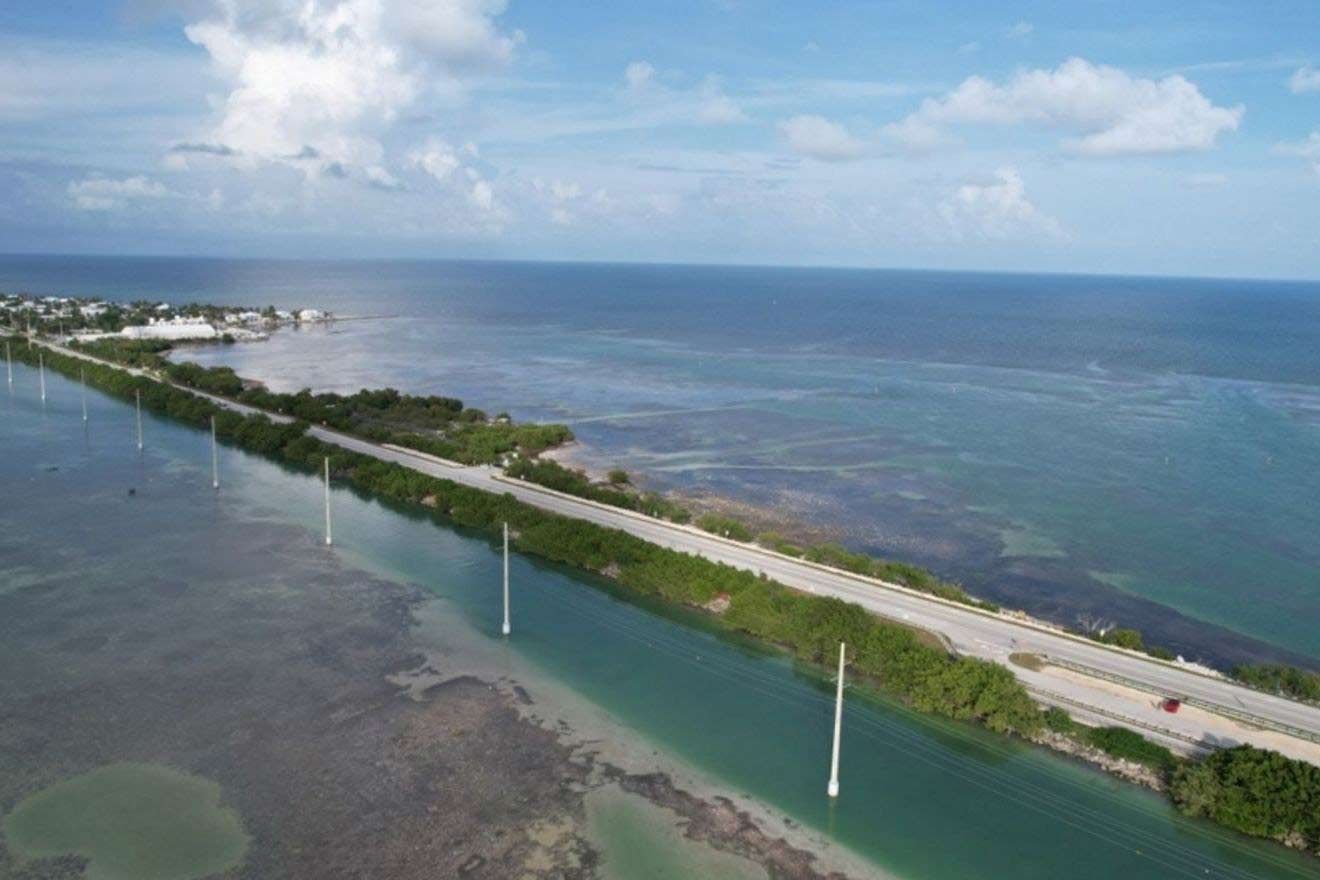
{"points": [[921, 798], [1143, 450]]}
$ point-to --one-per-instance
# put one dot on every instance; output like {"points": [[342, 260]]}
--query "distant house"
{"points": [[311, 315], [175, 329]]}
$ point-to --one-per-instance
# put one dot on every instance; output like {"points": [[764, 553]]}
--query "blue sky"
{"points": [[1099, 136]]}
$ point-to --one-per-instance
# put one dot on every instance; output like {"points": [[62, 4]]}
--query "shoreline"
{"points": [[1053, 598], [120, 369], [617, 754]]}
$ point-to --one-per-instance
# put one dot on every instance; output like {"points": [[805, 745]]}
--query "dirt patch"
{"points": [[1027, 660]]}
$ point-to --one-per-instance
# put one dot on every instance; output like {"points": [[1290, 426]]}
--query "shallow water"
{"points": [[921, 798], [639, 841], [131, 822], [1146, 450]]}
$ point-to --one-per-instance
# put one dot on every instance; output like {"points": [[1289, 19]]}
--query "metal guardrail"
{"points": [[1126, 719], [1217, 708]]}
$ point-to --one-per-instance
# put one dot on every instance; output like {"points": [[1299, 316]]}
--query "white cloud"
{"points": [[565, 190], [331, 76], [1304, 79], [106, 194], [457, 177], [997, 209], [436, 158], [817, 138], [482, 195], [382, 179], [639, 75], [1109, 112], [1308, 149], [716, 107], [1020, 29]]}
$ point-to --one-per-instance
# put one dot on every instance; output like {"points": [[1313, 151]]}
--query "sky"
{"points": [[1093, 136]]}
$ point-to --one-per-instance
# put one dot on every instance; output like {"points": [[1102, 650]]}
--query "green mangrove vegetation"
{"points": [[1117, 742], [553, 475], [437, 425], [1257, 792], [618, 493], [1286, 681]]}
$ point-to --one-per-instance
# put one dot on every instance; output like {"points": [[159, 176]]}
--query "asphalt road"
{"points": [[990, 636]]}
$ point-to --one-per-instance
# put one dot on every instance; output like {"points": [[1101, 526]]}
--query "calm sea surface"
{"points": [[921, 798], [1144, 450]]}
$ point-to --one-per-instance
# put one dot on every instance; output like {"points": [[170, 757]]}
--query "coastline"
{"points": [[120, 369]]}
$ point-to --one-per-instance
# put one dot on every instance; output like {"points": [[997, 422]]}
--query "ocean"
{"points": [[1138, 450]]}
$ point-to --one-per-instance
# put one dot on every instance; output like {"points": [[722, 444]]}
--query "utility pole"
{"points": [[507, 629], [41, 371], [327, 501], [833, 788], [215, 458], [137, 397], [82, 381], [9, 364]]}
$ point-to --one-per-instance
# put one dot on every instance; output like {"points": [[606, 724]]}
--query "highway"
{"points": [[1112, 684]]}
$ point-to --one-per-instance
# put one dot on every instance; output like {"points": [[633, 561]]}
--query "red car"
{"points": [[1171, 704]]}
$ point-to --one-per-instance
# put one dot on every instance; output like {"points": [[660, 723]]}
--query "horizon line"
{"points": [[696, 264]]}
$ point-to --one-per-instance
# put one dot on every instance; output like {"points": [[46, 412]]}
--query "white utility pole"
{"points": [[9, 364], [507, 628], [41, 370], [327, 501], [833, 788], [137, 397], [215, 458], [82, 380]]}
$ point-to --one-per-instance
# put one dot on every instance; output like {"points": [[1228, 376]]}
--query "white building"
{"points": [[173, 329]]}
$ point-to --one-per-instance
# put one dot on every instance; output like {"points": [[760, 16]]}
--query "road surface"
{"points": [[1105, 683]]}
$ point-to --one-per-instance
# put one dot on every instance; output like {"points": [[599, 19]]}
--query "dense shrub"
{"points": [[1119, 742], [554, 475], [438, 425], [1059, 721], [1257, 792], [724, 526], [1287, 681]]}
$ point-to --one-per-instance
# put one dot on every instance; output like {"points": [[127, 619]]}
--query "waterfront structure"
{"points": [[173, 329]]}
